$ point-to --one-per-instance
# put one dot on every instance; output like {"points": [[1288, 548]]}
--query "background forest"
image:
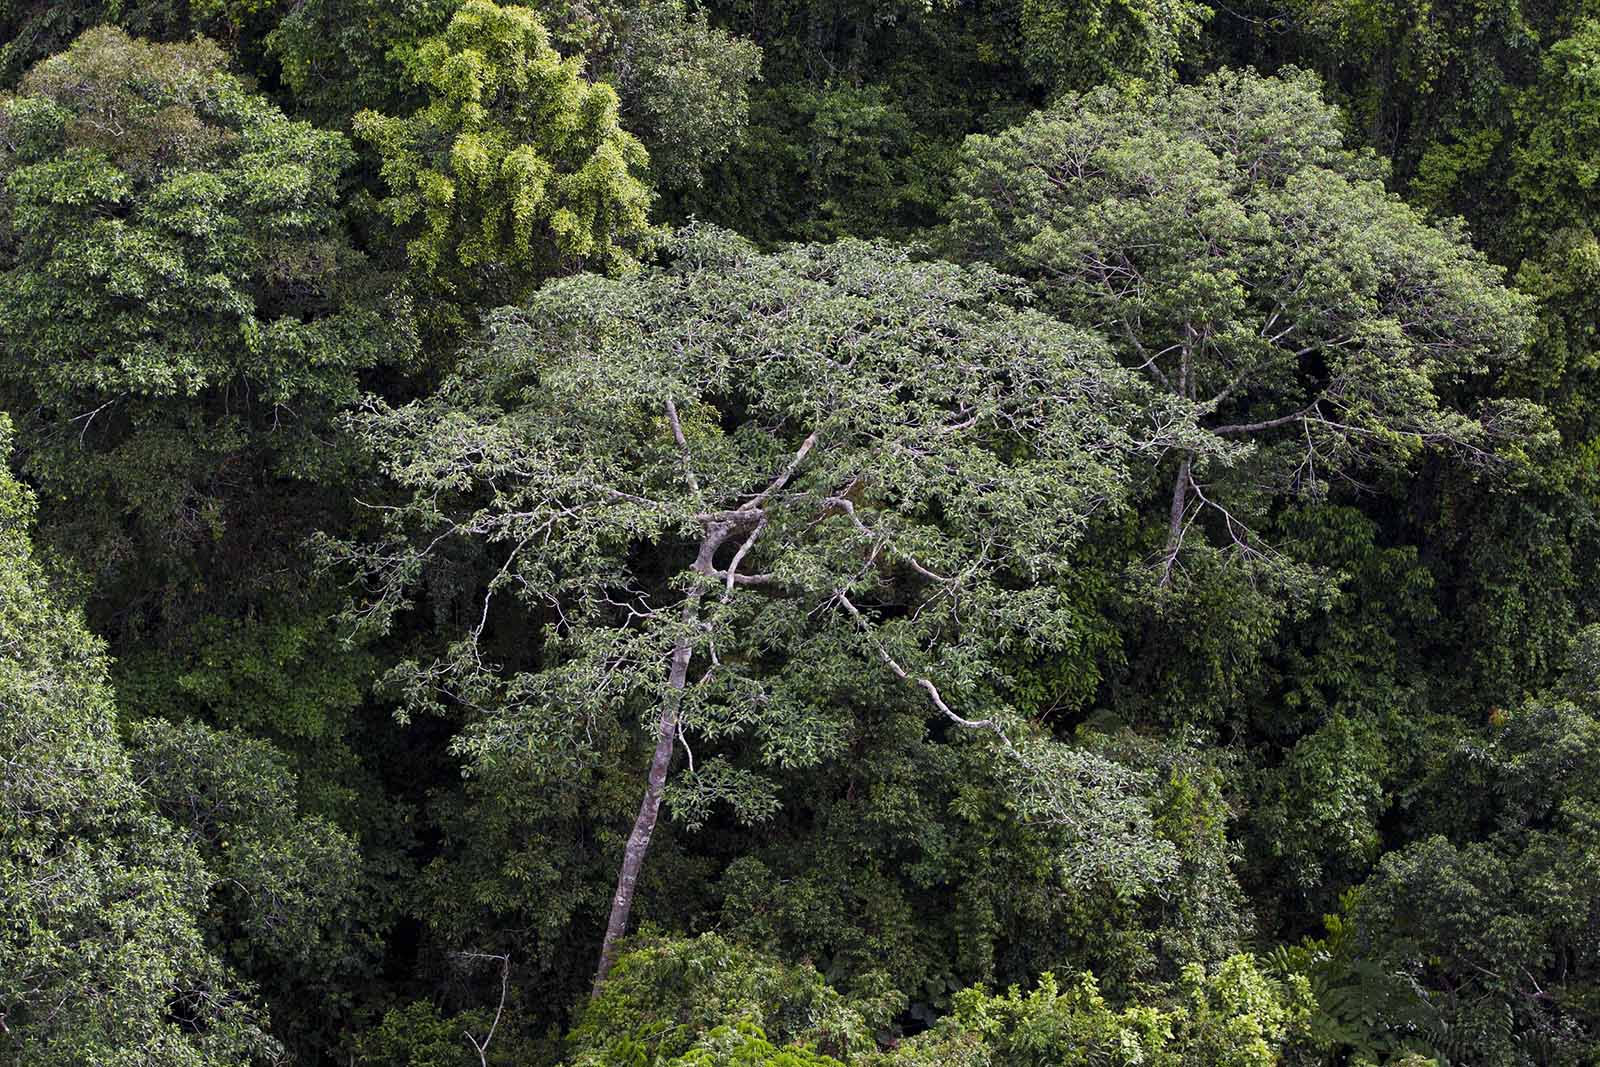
{"points": [[789, 533]]}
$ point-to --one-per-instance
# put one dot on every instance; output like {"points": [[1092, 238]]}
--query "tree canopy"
{"points": [[515, 169], [182, 308], [1236, 252], [799, 533], [747, 459]]}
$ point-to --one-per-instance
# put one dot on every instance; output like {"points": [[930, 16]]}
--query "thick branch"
{"points": [[1175, 525], [738, 518], [1266, 424], [781, 480]]}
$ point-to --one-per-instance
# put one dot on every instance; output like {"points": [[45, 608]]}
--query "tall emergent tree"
{"points": [[102, 959], [1242, 258], [742, 494]]}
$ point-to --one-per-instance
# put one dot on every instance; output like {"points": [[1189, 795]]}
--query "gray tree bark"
{"points": [[644, 824]]}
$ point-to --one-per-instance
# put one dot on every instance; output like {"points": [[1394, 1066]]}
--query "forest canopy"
{"points": [[684, 533]]}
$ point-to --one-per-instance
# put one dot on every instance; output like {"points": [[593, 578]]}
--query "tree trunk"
{"points": [[639, 840], [1180, 488], [1180, 503], [666, 736]]}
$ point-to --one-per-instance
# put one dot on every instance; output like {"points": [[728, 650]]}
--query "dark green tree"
{"points": [[181, 313], [288, 903], [102, 958], [32, 30], [862, 107], [1486, 927]]}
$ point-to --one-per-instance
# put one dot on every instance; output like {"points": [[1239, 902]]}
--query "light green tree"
{"points": [[709, 1000], [1235, 1016], [682, 81], [516, 169], [706, 1001], [734, 496]]}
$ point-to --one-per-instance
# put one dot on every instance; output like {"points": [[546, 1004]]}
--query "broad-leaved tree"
{"points": [[734, 496]]}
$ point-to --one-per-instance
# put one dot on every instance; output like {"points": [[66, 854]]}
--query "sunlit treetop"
{"points": [[517, 168]]}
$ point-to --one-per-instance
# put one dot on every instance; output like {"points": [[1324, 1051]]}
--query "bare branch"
{"points": [[738, 557], [925, 684], [1265, 424], [482, 1047], [846, 505], [88, 417]]}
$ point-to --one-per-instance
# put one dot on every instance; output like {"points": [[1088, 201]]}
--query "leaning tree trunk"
{"points": [[666, 737]]}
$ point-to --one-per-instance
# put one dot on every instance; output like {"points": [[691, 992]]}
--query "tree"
{"points": [[1483, 929], [517, 168], [742, 493], [667, 996], [1427, 87], [706, 1001], [32, 30], [1075, 46], [288, 903], [102, 959], [681, 82], [906, 864], [341, 57], [181, 311], [1240, 256], [863, 104], [1555, 221], [1236, 1016]]}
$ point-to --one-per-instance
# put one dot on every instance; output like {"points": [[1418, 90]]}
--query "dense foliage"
{"points": [[102, 956], [799, 533]]}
